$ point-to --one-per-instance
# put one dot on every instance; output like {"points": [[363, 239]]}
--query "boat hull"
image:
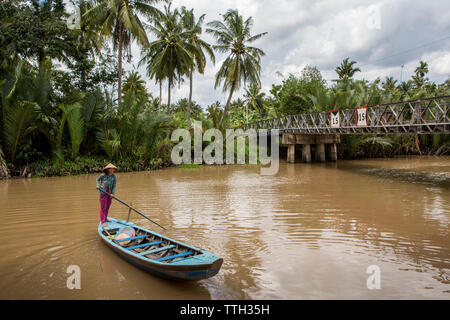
{"points": [[187, 270]]}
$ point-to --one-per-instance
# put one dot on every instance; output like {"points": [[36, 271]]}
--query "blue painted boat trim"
{"points": [[157, 250], [133, 238], [174, 256], [204, 257], [144, 245]]}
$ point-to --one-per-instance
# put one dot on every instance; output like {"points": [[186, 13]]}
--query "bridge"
{"points": [[322, 130]]}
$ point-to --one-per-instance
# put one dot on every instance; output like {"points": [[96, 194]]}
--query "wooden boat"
{"points": [[160, 255]]}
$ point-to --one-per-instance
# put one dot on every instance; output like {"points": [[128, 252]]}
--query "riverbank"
{"points": [[82, 165], [351, 148], [95, 165]]}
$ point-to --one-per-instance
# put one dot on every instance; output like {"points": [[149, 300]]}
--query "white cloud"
{"points": [[440, 62], [322, 33]]}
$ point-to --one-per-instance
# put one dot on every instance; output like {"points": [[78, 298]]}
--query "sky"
{"points": [[382, 36]]}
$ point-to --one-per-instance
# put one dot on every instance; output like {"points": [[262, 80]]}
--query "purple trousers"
{"points": [[105, 203]]}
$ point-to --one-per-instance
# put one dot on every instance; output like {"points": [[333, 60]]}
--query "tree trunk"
{"points": [[120, 67], [227, 105], [190, 101], [84, 59], [168, 100], [160, 96], [4, 172]]}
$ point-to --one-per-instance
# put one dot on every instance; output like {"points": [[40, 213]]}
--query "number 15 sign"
{"points": [[361, 116], [335, 119]]}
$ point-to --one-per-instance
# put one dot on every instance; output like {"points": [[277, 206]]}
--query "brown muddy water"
{"points": [[309, 232]]}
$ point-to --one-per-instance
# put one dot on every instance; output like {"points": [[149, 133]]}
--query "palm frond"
{"points": [[75, 122], [17, 121]]}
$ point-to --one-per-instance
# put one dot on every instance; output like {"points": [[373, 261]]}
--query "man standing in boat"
{"points": [[106, 181]]}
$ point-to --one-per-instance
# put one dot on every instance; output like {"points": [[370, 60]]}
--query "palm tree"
{"points": [[254, 99], [405, 87], [389, 84], [119, 20], [422, 69], [154, 73], [215, 115], [346, 70], [134, 83], [194, 30], [419, 79], [169, 57], [85, 42], [243, 61]]}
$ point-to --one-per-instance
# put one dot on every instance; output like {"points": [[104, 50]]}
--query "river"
{"points": [[308, 232]]}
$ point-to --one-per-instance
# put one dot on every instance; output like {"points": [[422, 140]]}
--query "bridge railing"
{"points": [[430, 115]]}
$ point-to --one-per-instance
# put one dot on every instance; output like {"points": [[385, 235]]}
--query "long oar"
{"points": [[131, 208]]}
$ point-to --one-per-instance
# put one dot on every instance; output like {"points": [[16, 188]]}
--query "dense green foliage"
{"points": [[64, 108], [309, 92]]}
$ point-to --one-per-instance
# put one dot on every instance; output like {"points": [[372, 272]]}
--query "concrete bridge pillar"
{"points": [[291, 153], [333, 152], [306, 153], [306, 140], [320, 152]]}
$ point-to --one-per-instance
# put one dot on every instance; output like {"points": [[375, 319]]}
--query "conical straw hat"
{"points": [[110, 166]]}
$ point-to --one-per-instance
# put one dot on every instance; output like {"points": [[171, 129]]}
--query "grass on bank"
{"points": [[86, 165], [190, 166]]}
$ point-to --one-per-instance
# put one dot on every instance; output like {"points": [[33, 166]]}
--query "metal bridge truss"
{"points": [[425, 116]]}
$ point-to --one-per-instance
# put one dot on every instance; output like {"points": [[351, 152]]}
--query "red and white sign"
{"points": [[361, 117], [335, 119]]}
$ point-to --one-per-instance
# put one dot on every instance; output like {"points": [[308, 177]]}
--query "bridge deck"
{"points": [[425, 116]]}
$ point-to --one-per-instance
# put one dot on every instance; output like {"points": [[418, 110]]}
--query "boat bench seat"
{"points": [[144, 245], [157, 250], [174, 256], [133, 238]]}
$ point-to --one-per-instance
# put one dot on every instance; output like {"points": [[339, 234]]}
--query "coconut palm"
{"points": [[254, 100], [154, 73], [422, 69], [215, 115], [419, 79], [346, 69], [194, 30], [85, 43], [242, 65], [405, 87], [170, 56], [119, 20], [134, 83], [389, 84]]}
